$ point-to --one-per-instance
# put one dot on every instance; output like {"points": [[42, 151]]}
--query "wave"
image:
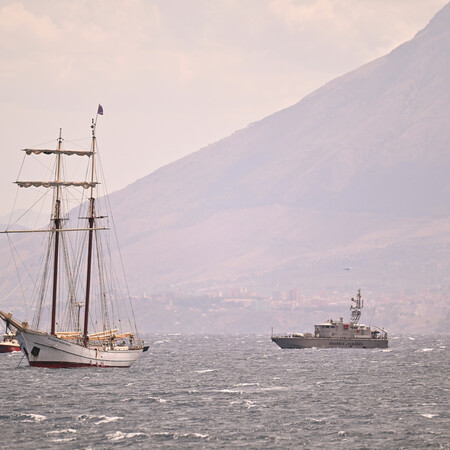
{"points": [[181, 436], [157, 399], [119, 435], [106, 419], [33, 417], [69, 430], [63, 439]]}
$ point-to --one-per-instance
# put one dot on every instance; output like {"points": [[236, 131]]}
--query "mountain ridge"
{"points": [[353, 176], [368, 147]]}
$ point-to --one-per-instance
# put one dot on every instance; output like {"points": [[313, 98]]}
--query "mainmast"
{"points": [[91, 219], [57, 227]]}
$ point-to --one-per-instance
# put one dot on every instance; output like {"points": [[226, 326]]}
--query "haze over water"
{"points": [[193, 391]]}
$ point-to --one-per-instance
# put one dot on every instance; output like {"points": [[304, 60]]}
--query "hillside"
{"points": [[354, 174], [280, 223]]}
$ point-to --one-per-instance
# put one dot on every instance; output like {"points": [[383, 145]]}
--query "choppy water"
{"points": [[236, 391]]}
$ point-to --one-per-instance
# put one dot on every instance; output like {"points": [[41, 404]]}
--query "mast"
{"points": [[91, 220], [57, 226], [356, 310]]}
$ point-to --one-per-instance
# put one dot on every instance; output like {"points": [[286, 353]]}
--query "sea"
{"points": [[240, 391]]}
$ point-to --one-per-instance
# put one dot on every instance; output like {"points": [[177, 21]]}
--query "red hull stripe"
{"points": [[66, 365], [9, 349]]}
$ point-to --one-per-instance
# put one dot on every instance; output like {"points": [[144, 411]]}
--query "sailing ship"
{"points": [[81, 333], [337, 334]]}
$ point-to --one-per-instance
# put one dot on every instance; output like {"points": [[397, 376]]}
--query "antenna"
{"points": [[356, 310]]}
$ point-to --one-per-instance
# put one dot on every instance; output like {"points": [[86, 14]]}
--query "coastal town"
{"points": [[239, 310]]}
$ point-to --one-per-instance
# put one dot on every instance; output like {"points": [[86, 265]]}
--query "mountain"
{"points": [[354, 174], [347, 189]]}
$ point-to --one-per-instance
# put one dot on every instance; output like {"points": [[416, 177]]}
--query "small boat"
{"points": [[338, 334], [78, 297], [9, 343]]}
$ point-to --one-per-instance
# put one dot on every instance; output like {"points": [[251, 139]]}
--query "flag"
{"points": [[100, 110]]}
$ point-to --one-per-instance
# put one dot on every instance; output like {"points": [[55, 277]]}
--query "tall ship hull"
{"points": [[337, 334], [44, 350]]}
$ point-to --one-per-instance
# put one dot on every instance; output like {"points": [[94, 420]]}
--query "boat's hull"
{"points": [[45, 350], [9, 347], [315, 342]]}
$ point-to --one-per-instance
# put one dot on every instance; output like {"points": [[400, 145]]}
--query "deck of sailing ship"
{"points": [[69, 342]]}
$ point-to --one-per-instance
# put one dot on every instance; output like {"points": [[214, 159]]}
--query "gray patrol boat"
{"points": [[337, 334]]}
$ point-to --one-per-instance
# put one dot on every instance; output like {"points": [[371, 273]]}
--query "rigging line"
{"points": [[99, 164], [101, 276], [18, 275], [21, 359], [17, 191], [26, 211], [35, 286], [43, 143], [43, 288], [73, 141], [9, 295], [71, 286], [371, 317]]}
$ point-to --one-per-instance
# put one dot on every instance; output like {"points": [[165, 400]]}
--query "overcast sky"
{"points": [[174, 75]]}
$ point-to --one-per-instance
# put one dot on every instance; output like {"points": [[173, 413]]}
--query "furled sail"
{"points": [[38, 151], [48, 184]]}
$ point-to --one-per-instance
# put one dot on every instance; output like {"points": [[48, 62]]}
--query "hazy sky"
{"points": [[174, 75]]}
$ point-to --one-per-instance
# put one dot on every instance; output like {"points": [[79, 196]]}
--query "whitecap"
{"points": [[191, 436], [63, 439], [157, 399], [312, 420], [163, 434], [106, 419], [249, 404], [411, 338], [429, 416], [69, 430], [246, 384], [206, 371], [33, 418], [274, 388], [119, 435], [229, 391]]}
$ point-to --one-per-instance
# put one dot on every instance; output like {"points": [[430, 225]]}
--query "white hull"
{"points": [[45, 350]]}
